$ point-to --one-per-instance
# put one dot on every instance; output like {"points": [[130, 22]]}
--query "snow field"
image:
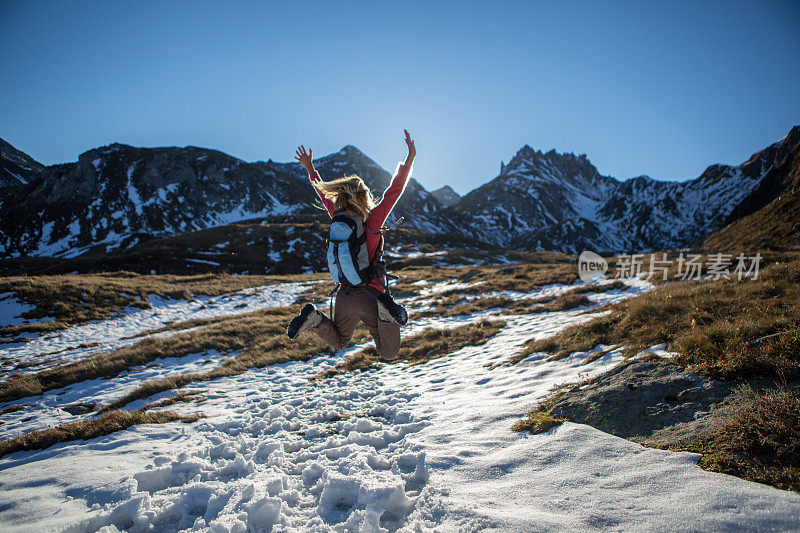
{"points": [[275, 453], [77, 342], [47, 409], [402, 447], [11, 309], [574, 477]]}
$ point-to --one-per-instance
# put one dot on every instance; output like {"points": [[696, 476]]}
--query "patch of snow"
{"points": [[11, 309], [292, 243], [444, 286], [78, 342], [133, 193], [63, 246], [203, 261]]}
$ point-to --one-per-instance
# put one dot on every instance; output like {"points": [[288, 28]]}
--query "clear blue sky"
{"points": [[663, 89]]}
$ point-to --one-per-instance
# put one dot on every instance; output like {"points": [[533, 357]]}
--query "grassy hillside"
{"points": [[770, 217]]}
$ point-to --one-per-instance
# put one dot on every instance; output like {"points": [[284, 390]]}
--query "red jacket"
{"points": [[379, 213]]}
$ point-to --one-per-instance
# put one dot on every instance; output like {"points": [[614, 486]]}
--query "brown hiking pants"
{"points": [[351, 307]]}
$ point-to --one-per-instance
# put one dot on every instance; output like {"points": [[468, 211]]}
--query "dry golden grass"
{"points": [[596, 289], [179, 397], [454, 257], [14, 408], [539, 419], [271, 348], [759, 440], [455, 302], [525, 277], [430, 344], [537, 422], [403, 287], [564, 302], [90, 429], [547, 268], [260, 335], [591, 358], [708, 323], [569, 300], [448, 306], [71, 299]]}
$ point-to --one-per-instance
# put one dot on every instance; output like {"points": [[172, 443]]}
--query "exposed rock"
{"points": [[79, 408], [654, 402], [553, 201]]}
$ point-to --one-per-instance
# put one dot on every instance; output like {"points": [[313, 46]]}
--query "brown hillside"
{"points": [[770, 217]]}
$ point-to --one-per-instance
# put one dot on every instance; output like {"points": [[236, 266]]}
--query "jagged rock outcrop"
{"points": [[561, 202], [16, 168]]}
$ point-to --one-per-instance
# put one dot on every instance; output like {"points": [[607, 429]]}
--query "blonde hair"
{"points": [[349, 193]]}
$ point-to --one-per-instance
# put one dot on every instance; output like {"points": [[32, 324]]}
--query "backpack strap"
{"points": [[379, 249], [330, 297]]}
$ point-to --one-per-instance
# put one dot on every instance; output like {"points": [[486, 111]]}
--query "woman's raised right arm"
{"points": [[313, 176]]}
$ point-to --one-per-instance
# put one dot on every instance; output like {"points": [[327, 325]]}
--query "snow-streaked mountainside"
{"points": [[117, 195], [16, 168], [561, 202]]}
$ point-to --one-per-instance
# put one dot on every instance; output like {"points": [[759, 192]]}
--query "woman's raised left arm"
{"points": [[381, 212], [412, 151]]}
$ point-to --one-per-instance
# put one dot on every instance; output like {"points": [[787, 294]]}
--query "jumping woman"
{"points": [[350, 204]]}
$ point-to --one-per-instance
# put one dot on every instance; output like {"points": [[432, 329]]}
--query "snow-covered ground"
{"points": [[409, 447], [11, 310], [80, 341]]}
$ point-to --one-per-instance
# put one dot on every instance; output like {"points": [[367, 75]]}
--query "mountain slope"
{"points": [[446, 195], [118, 195], [16, 168], [113, 195], [769, 217], [560, 201]]}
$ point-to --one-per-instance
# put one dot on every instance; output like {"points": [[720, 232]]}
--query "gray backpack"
{"points": [[348, 259], [348, 263]]}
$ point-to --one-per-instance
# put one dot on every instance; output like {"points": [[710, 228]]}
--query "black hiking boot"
{"points": [[309, 317], [389, 310]]}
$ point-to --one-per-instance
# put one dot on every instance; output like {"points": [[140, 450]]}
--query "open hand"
{"points": [[412, 151], [304, 157]]}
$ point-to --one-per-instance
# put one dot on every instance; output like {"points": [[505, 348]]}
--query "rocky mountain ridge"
{"points": [[560, 201], [16, 168], [118, 195]]}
